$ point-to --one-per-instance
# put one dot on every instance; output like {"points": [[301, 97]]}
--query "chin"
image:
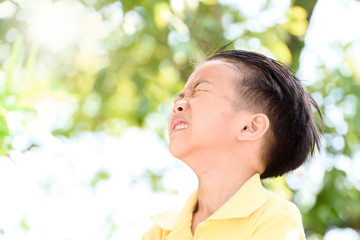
{"points": [[174, 151], [177, 151]]}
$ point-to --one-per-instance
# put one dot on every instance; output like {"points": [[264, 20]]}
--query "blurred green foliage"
{"points": [[143, 58]]}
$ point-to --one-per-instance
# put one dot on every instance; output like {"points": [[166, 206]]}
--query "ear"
{"points": [[255, 127]]}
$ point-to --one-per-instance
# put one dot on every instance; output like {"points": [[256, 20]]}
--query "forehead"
{"points": [[213, 70]]}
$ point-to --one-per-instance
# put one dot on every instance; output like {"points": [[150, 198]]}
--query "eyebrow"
{"points": [[182, 94]]}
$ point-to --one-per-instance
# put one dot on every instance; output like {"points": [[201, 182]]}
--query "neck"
{"points": [[217, 187], [220, 177]]}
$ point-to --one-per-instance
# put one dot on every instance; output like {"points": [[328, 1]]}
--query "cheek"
{"points": [[169, 121], [216, 121]]}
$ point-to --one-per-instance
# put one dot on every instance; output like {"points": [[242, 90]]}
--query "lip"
{"points": [[176, 121]]}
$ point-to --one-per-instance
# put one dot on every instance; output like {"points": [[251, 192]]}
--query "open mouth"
{"points": [[179, 124]]}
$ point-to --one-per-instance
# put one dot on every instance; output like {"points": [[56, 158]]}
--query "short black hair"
{"points": [[269, 86]]}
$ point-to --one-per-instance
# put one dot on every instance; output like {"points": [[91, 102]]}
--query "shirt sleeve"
{"points": [[284, 225]]}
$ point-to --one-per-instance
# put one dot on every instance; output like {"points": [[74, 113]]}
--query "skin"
{"points": [[221, 145]]}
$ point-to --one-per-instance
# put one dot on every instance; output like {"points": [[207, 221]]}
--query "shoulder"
{"points": [[276, 205], [279, 218]]}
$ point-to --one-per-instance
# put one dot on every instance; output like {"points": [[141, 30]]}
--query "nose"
{"points": [[180, 106]]}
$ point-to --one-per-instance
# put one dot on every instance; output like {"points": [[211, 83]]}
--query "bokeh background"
{"points": [[86, 87]]}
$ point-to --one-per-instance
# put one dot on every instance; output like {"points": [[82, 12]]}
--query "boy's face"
{"points": [[203, 119]]}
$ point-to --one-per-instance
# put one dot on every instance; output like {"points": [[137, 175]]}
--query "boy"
{"points": [[241, 117]]}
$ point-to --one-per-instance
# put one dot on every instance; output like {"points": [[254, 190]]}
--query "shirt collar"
{"points": [[169, 220], [245, 201]]}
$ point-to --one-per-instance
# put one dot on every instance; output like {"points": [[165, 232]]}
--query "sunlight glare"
{"points": [[55, 25]]}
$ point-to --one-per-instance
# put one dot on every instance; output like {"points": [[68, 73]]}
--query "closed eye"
{"points": [[196, 89], [199, 90]]}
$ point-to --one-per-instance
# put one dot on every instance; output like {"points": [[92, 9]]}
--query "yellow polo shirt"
{"points": [[252, 213]]}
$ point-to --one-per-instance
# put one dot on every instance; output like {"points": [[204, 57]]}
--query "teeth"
{"points": [[181, 126]]}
